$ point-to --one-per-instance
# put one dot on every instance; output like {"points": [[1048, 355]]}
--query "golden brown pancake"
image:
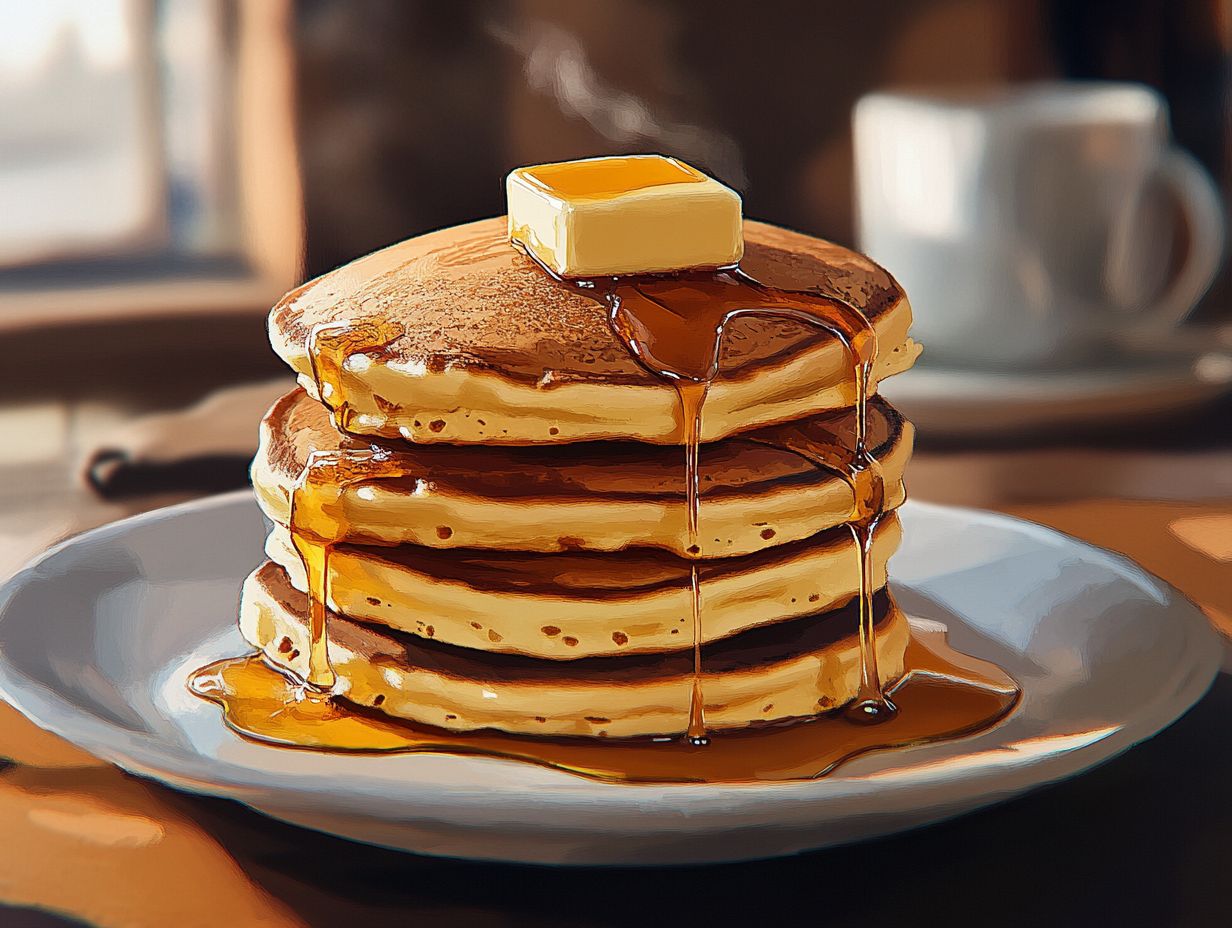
{"points": [[579, 604], [784, 671], [494, 351], [599, 496]]}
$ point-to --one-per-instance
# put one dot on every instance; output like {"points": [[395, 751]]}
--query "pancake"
{"points": [[580, 604], [595, 496], [784, 671], [494, 351]]}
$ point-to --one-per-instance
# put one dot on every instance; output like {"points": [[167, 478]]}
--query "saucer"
{"points": [[98, 635], [957, 403]]}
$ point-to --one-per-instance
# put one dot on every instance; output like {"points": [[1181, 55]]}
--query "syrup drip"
{"points": [[863, 474], [674, 325], [329, 348], [317, 522], [943, 695], [692, 396]]}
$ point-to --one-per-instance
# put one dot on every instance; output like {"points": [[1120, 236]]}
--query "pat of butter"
{"points": [[638, 214]]}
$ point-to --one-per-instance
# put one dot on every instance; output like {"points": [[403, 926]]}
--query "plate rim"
{"points": [[981, 785], [941, 400]]}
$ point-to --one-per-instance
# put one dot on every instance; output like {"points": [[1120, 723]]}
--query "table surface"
{"points": [[1140, 840]]}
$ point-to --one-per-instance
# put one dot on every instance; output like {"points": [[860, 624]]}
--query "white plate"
{"points": [[960, 403], [97, 636]]}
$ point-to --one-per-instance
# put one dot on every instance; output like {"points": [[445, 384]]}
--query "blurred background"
{"points": [[169, 167], [1049, 180]]}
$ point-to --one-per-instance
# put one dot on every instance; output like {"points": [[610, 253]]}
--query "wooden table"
{"points": [[1143, 840]]}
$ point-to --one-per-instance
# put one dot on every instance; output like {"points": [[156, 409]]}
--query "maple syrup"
{"points": [[942, 695], [692, 395], [317, 520], [674, 325]]}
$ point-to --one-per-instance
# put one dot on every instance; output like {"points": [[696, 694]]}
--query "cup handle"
{"points": [[1202, 204]]}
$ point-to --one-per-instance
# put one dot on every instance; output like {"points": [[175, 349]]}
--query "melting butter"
{"points": [[640, 214]]}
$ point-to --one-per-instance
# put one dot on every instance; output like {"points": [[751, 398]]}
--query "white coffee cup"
{"points": [[1028, 223]]}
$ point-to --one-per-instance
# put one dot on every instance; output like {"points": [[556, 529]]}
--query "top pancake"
{"points": [[493, 350]]}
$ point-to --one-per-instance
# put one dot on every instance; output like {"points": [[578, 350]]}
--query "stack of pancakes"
{"points": [[531, 573]]}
